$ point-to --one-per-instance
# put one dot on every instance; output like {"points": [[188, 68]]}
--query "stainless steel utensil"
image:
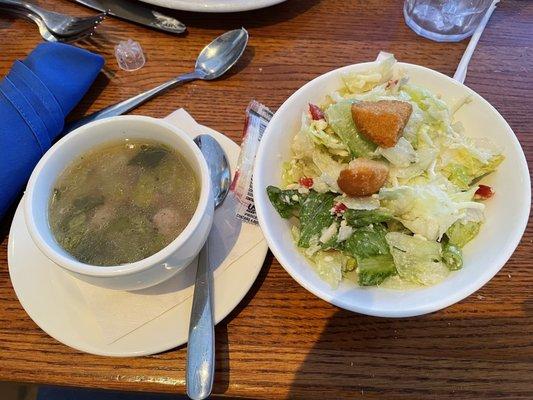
{"points": [[137, 12], [60, 25], [213, 61], [218, 165], [201, 342], [43, 30]]}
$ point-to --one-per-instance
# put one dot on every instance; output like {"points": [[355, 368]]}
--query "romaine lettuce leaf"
{"points": [[315, 215], [360, 218], [373, 270], [416, 259], [367, 241], [461, 233], [339, 117], [452, 256], [286, 202]]}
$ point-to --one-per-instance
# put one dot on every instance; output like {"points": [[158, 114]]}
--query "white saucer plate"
{"points": [[53, 300], [214, 5]]}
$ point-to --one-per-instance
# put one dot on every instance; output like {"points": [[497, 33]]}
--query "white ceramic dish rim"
{"points": [[221, 6], [261, 202], [71, 263]]}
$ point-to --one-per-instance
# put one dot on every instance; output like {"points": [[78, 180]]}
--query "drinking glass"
{"points": [[444, 20]]}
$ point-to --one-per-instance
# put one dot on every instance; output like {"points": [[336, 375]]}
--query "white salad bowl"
{"points": [[506, 213], [137, 275]]}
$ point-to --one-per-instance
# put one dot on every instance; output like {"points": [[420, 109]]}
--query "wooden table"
{"points": [[282, 341]]}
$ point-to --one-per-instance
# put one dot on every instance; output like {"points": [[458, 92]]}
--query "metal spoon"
{"points": [[201, 346], [214, 60]]}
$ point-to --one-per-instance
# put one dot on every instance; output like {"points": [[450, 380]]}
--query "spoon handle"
{"points": [[201, 346], [133, 102]]}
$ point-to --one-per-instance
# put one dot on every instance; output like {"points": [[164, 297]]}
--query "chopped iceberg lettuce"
{"points": [[466, 164], [330, 265], [296, 169], [417, 260], [424, 159], [329, 172], [318, 132], [401, 155], [359, 203], [364, 81], [435, 111], [425, 209]]}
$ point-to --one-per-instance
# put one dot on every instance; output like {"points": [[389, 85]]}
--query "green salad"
{"points": [[382, 187]]}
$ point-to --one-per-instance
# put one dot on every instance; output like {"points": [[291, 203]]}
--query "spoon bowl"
{"points": [[221, 54], [217, 164]]}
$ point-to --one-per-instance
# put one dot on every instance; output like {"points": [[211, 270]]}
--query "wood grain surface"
{"points": [[281, 341]]}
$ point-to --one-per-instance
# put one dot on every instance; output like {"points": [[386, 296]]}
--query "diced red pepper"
{"points": [[306, 182], [339, 208], [483, 192], [316, 112]]}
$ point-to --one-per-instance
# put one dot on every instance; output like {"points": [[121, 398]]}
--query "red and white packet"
{"points": [[255, 123]]}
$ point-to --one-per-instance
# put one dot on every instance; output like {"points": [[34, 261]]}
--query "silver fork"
{"points": [[43, 30], [60, 25]]}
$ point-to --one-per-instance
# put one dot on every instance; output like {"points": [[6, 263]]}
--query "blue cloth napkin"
{"points": [[35, 97]]}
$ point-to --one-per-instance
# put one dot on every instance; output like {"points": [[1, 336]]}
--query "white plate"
{"points": [[506, 213], [214, 5], [52, 299]]}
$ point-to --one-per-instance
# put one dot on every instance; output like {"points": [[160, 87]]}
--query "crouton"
{"points": [[382, 121], [363, 177]]}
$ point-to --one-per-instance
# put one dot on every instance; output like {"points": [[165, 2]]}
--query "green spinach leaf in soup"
{"points": [[87, 203], [149, 156]]}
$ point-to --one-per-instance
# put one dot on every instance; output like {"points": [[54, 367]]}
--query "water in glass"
{"points": [[444, 20]]}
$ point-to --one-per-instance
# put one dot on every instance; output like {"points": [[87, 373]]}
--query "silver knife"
{"points": [[136, 12]]}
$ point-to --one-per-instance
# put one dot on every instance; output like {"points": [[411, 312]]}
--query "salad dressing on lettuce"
{"points": [[382, 186]]}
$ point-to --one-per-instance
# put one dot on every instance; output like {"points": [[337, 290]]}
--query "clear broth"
{"points": [[122, 202]]}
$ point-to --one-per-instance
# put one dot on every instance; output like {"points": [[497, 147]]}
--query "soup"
{"points": [[122, 202]]}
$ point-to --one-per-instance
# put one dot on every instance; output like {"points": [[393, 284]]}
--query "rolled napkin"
{"points": [[35, 97]]}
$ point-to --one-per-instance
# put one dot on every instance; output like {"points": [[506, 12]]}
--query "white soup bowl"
{"points": [[136, 275]]}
